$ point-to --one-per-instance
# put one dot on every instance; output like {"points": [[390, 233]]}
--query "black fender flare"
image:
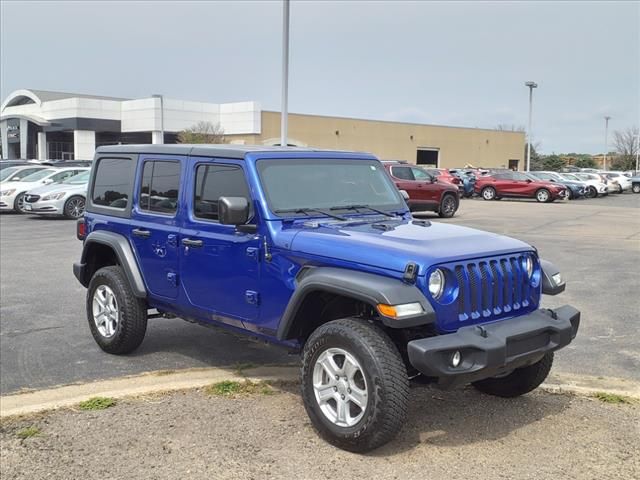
{"points": [[367, 287], [124, 253], [549, 285]]}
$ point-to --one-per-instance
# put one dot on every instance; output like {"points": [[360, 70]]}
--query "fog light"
{"points": [[557, 278], [456, 359]]}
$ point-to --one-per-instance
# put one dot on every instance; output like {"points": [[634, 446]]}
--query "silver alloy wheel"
{"points": [[542, 196], [75, 207], [20, 201], [488, 193], [105, 311], [636, 188], [340, 387]]}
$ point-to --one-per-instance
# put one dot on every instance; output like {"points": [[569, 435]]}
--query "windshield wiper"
{"points": [[307, 211], [358, 207]]}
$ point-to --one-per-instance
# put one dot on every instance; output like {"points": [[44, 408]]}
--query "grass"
{"points": [[611, 398], [28, 432], [229, 388], [97, 403]]}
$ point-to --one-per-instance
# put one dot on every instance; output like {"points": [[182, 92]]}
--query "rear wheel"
{"points": [[74, 207], [488, 193], [543, 195], [520, 381], [620, 189], [448, 206], [354, 385], [18, 203], [117, 318]]}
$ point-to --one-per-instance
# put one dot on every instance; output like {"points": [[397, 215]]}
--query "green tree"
{"points": [[553, 163], [202, 132]]}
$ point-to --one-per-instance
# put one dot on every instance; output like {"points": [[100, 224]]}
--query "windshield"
{"points": [[39, 175], [297, 184], [78, 179], [6, 172]]}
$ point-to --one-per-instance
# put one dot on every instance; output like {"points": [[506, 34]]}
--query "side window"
{"points": [[420, 174], [214, 181], [160, 186], [403, 173], [112, 182], [59, 177]]}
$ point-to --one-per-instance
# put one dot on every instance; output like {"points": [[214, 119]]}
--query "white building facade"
{"points": [[38, 124]]}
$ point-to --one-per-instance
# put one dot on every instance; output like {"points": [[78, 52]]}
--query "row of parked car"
{"points": [[44, 189], [60, 188]]}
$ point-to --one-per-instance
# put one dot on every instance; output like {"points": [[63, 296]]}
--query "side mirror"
{"points": [[404, 194], [529, 180], [434, 179], [47, 181], [235, 211]]}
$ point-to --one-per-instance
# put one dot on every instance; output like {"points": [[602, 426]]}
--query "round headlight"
{"points": [[436, 283], [527, 265]]}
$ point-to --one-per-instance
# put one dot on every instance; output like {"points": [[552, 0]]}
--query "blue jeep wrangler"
{"points": [[315, 251]]}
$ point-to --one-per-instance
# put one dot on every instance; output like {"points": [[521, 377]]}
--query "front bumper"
{"points": [[45, 207], [6, 203], [496, 348]]}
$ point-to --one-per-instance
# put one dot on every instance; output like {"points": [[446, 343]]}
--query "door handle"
{"points": [[187, 242], [138, 232]]}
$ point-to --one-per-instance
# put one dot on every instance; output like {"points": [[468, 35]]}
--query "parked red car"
{"points": [[426, 192], [518, 185]]}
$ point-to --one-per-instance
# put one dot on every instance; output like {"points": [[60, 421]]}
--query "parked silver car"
{"points": [[65, 198]]}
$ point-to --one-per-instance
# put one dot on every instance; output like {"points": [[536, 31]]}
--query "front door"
{"points": [[154, 228], [219, 266]]}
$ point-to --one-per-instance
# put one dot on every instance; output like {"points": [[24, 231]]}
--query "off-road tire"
{"points": [[132, 324], [520, 381], [384, 372], [19, 200], [488, 193], [447, 210], [68, 209]]}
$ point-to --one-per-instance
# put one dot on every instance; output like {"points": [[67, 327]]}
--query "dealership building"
{"points": [[38, 124]]}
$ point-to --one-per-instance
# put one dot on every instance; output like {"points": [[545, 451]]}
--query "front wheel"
{"points": [[117, 318], [19, 203], [488, 193], [543, 195], [354, 385], [592, 192], [635, 188], [448, 206], [520, 381]]}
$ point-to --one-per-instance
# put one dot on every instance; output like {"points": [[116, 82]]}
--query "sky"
{"points": [[447, 63]]}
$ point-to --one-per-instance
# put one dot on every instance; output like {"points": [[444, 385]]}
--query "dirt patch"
{"points": [[449, 435]]}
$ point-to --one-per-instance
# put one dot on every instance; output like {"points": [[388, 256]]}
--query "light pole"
{"points": [[285, 75], [606, 141], [531, 86], [156, 95], [637, 152]]}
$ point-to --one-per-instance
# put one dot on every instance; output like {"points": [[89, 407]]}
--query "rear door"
{"points": [[154, 225]]}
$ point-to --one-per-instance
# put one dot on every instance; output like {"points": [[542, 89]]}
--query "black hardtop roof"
{"points": [[207, 150]]}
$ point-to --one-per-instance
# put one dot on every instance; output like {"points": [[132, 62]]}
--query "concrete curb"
{"points": [[163, 381]]}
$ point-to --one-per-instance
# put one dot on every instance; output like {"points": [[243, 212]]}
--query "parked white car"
{"points": [[13, 174], [622, 183], [66, 198], [595, 184], [12, 193]]}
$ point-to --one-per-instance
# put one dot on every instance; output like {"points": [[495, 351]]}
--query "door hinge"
{"points": [[252, 297]]}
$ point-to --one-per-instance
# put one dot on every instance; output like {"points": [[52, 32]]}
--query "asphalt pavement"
{"points": [[45, 339]]}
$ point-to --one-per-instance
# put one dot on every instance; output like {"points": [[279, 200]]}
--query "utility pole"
{"points": [[285, 75], [531, 86], [606, 140]]}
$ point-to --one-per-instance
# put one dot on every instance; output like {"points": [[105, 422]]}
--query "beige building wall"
{"points": [[395, 141]]}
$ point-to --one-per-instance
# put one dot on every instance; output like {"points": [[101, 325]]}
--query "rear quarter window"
{"points": [[111, 186]]}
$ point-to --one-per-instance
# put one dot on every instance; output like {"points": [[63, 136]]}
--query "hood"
{"points": [[19, 186], [390, 244], [58, 187]]}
